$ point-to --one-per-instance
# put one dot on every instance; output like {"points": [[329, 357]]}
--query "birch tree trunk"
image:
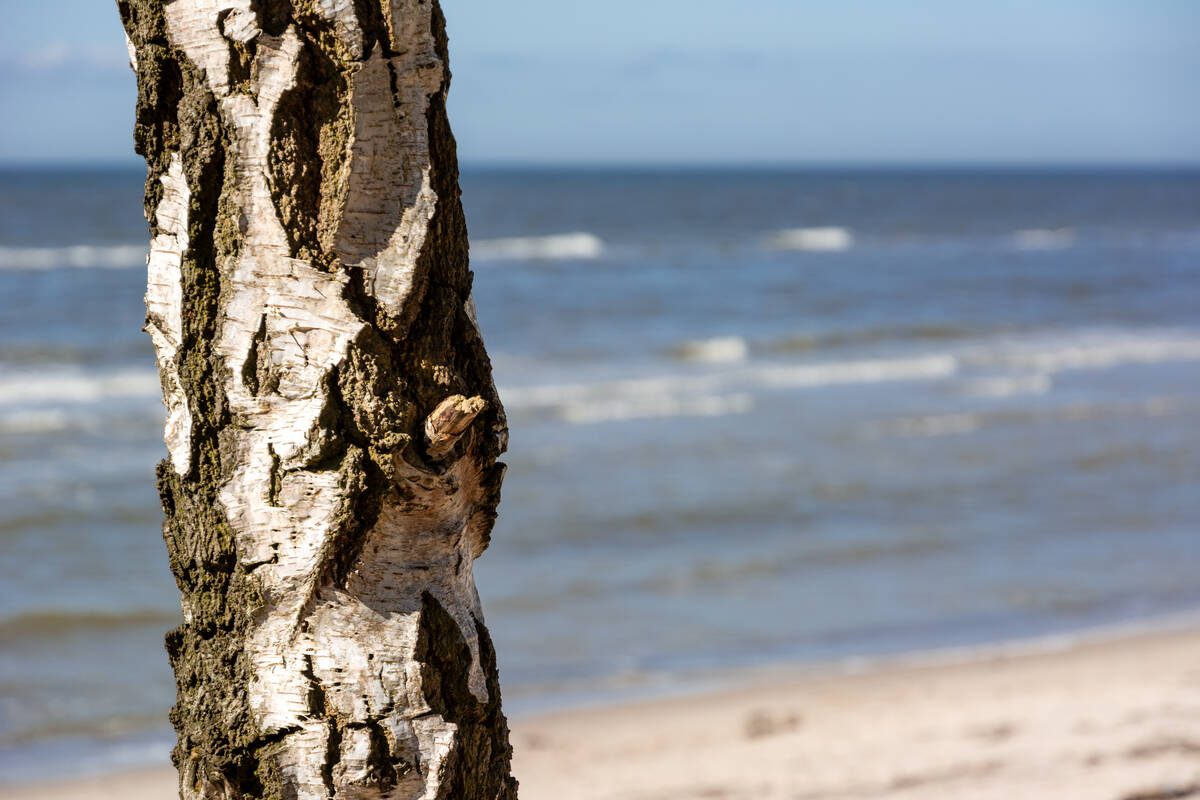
{"points": [[332, 425]]}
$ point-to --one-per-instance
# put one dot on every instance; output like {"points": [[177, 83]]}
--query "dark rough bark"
{"points": [[404, 359]]}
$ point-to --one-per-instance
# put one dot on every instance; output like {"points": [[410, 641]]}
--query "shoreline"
{"points": [[1110, 713], [719, 680]]}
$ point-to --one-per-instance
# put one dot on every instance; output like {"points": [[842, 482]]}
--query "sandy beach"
{"points": [[1114, 718]]}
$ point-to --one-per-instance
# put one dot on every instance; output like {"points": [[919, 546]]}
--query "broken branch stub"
{"points": [[449, 421]]}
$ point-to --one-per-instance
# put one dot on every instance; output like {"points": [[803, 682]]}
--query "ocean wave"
{"points": [[554, 395], [720, 380], [989, 369], [49, 624], [1043, 239], [808, 342], [717, 349], [699, 574], [824, 239], [651, 407], [69, 387], [969, 422], [52, 420], [99, 730], [1088, 351], [716, 393], [75, 257], [863, 371], [557, 247]]}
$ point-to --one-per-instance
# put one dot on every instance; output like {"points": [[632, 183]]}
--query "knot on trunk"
{"points": [[449, 421]]}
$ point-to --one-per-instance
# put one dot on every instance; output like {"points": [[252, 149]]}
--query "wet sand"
{"points": [[1116, 718]]}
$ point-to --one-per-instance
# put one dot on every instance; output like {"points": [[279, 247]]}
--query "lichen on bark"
{"points": [[310, 303]]}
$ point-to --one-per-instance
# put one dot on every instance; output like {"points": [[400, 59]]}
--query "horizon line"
{"points": [[666, 165]]}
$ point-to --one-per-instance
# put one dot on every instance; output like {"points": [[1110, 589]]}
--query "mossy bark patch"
{"points": [[310, 150]]}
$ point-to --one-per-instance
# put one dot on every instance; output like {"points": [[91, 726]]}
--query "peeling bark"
{"points": [[332, 425]]}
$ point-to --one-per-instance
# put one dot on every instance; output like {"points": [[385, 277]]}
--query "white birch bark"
{"points": [[357, 497]]}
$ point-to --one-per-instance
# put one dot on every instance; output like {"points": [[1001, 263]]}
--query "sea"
{"points": [[759, 418]]}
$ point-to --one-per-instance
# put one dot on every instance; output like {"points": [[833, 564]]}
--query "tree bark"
{"points": [[332, 425]]}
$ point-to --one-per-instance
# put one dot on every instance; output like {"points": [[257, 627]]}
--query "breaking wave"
{"points": [[654, 406], [993, 370], [1094, 351], [718, 349], [721, 378], [1044, 239], [75, 257], [825, 239], [809, 342], [864, 371], [69, 387], [717, 393], [53, 420], [558, 247]]}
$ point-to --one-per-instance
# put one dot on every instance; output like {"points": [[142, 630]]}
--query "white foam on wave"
{"points": [[41, 400], [70, 387], [1089, 352], [38, 421], [75, 257], [561, 395], [720, 392], [1043, 239], [655, 406], [558, 247], [863, 371], [986, 370], [818, 375], [720, 349], [824, 239]]}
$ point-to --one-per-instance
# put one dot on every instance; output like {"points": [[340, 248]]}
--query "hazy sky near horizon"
{"points": [[712, 81]]}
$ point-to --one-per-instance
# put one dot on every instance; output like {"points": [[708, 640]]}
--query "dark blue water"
{"points": [[756, 417]]}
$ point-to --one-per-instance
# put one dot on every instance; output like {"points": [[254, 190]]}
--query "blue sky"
{"points": [[716, 81]]}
